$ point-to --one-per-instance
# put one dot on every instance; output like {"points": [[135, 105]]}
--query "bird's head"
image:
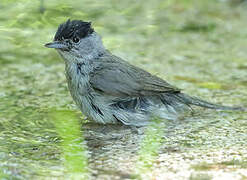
{"points": [[77, 40]]}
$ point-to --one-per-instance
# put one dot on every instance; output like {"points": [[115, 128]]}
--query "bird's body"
{"points": [[128, 103], [108, 89]]}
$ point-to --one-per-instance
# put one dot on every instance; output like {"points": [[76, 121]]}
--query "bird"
{"points": [[108, 89]]}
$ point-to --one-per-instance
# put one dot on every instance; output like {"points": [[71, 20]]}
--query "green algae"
{"points": [[72, 147], [200, 177], [232, 164], [150, 147]]}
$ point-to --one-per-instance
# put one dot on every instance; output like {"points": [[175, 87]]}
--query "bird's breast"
{"points": [[78, 79]]}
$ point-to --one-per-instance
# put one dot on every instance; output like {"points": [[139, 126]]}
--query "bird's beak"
{"points": [[56, 45]]}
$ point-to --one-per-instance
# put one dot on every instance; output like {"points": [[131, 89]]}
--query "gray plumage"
{"points": [[108, 89]]}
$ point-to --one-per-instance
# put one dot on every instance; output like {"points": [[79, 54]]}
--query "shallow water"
{"points": [[199, 46]]}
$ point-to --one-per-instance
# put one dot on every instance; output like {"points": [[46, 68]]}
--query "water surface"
{"points": [[198, 46]]}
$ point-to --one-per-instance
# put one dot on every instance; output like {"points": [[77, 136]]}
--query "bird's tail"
{"points": [[175, 99], [189, 100]]}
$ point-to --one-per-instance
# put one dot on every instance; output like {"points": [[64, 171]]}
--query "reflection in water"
{"points": [[120, 151], [112, 149]]}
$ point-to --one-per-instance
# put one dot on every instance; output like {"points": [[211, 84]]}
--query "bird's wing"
{"points": [[116, 77]]}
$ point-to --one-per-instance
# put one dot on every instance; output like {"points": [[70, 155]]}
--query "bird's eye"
{"points": [[76, 39]]}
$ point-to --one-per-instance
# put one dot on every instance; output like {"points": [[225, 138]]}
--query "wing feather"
{"points": [[117, 77]]}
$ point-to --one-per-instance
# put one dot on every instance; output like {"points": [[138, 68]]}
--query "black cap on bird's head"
{"points": [[71, 30]]}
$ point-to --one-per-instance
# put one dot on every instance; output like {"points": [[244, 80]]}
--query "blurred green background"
{"points": [[198, 46]]}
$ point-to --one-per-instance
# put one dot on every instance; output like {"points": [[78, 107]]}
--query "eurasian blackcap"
{"points": [[108, 89]]}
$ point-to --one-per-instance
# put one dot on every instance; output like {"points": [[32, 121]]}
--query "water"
{"points": [[199, 46]]}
